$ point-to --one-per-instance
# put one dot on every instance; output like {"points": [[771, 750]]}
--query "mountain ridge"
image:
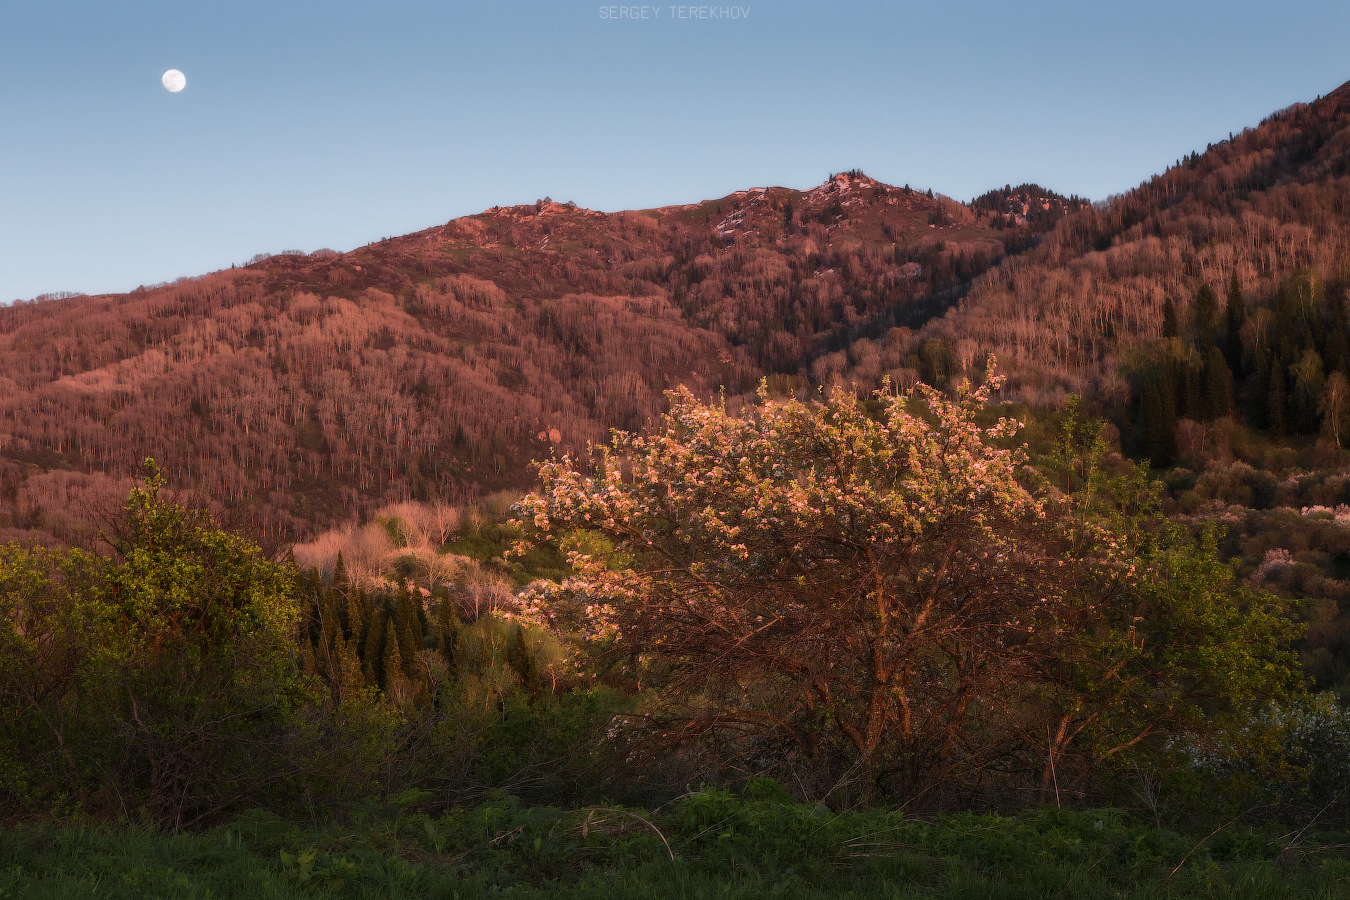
{"points": [[300, 390]]}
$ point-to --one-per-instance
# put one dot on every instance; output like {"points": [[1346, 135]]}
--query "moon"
{"points": [[174, 81]]}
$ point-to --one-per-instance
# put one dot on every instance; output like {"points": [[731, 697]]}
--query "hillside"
{"points": [[1270, 201], [299, 391]]}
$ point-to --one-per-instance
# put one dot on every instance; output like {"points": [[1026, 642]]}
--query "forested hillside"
{"points": [[299, 391], [1267, 202]]}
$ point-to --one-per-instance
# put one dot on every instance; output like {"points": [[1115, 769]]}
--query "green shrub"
{"points": [[160, 682]]}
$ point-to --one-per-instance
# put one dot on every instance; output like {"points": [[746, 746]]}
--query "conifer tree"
{"points": [[330, 625], [1160, 441], [1337, 342], [1205, 313], [1275, 398], [370, 616], [351, 677], [521, 661], [447, 633], [373, 652], [420, 623], [369, 610], [391, 663], [356, 633], [1286, 324], [1218, 385], [1338, 351], [1235, 316], [355, 621], [340, 580], [1193, 402], [408, 644], [1170, 328], [1170, 392]]}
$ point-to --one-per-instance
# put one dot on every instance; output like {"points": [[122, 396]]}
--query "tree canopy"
{"points": [[884, 587]]}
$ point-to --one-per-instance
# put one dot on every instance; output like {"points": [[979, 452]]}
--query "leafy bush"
{"points": [[1305, 776], [158, 682], [878, 597]]}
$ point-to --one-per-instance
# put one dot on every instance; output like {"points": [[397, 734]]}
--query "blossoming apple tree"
{"points": [[864, 582]]}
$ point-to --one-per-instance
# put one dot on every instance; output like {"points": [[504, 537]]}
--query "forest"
{"points": [[300, 389], [830, 647]]}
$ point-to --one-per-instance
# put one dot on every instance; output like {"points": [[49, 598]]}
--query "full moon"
{"points": [[174, 81]]}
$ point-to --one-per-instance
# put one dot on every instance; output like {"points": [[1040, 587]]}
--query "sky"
{"points": [[330, 123]]}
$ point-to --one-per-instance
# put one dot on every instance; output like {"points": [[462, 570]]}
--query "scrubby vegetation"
{"points": [[1244, 404], [817, 648]]}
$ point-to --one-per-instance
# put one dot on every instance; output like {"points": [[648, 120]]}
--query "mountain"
{"points": [[1264, 204], [302, 390]]}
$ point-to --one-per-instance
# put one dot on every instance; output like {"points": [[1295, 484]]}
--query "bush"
{"points": [[876, 596], [1305, 774], [159, 682]]}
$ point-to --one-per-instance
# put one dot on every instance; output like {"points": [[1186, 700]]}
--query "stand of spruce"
{"points": [[392, 641], [1286, 373]]}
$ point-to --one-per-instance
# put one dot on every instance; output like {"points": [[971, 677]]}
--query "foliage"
{"points": [[1312, 762], [161, 675], [183, 676], [723, 846], [1067, 314], [837, 586]]}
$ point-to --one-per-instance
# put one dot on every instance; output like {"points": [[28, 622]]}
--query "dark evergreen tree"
{"points": [[330, 623], [308, 589], [1169, 389], [391, 662], [1160, 440], [1170, 328], [1218, 385], [1205, 313], [1337, 343], [340, 580], [1338, 351], [1286, 326], [355, 624], [521, 661], [1275, 398], [408, 644], [1235, 316], [372, 653], [421, 625], [371, 614], [447, 634], [1193, 398]]}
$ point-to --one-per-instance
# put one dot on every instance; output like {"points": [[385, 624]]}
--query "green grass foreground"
{"points": [[723, 847]]}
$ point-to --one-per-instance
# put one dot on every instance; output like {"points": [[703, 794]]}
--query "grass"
{"points": [[723, 847]]}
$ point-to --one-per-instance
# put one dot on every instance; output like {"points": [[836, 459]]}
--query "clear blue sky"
{"points": [[331, 123]]}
